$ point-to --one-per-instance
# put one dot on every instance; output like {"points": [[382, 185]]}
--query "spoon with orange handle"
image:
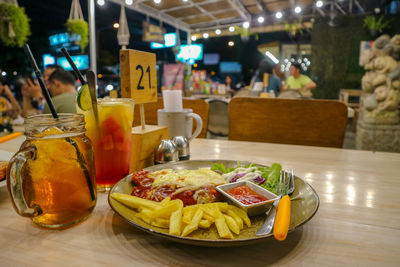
{"points": [[282, 219]]}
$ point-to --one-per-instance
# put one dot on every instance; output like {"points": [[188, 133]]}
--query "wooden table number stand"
{"points": [[139, 82]]}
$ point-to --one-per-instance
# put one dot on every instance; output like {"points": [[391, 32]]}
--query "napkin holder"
{"points": [[144, 143]]}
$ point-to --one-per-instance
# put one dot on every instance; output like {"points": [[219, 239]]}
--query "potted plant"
{"points": [[76, 25], [374, 25], [14, 25], [294, 28], [245, 34], [80, 28]]}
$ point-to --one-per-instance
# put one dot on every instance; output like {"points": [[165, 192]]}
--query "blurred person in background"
{"points": [[299, 82], [32, 97], [272, 82], [278, 73], [48, 71], [63, 92], [10, 104]]}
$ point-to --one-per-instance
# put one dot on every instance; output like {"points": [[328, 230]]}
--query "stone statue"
{"points": [[382, 81]]}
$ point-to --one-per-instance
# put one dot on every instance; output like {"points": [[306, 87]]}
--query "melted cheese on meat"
{"points": [[193, 179]]}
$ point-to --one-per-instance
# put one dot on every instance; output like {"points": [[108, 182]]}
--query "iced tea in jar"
{"points": [[52, 177]]}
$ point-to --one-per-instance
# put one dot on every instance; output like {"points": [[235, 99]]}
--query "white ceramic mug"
{"points": [[180, 123]]}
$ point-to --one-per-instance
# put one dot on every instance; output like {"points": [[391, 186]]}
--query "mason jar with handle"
{"points": [[51, 179]]}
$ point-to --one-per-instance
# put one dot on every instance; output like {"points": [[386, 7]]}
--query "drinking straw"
{"points": [[71, 62], [9, 137], [45, 92], [40, 80]]}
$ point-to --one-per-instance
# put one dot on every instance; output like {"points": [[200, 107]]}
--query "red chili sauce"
{"points": [[245, 195]]}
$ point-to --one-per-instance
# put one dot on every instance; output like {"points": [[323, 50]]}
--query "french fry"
{"points": [[165, 201], [135, 202], [216, 211], [236, 217], [160, 222], [166, 211], [175, 222], [232, 224], [208, 217], [209, 210], [188, 213], [194, 224], [241, 213], [144, 217], [222, 228], [222, 206], [204, 224]]}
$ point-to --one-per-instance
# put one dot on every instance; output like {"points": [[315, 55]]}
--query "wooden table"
{"points": [[358, 222]]}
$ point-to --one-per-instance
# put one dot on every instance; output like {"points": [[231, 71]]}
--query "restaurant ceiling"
{"points": [[192, 15]]}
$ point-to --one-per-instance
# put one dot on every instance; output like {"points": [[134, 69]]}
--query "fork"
{"points": [[286, 186]]}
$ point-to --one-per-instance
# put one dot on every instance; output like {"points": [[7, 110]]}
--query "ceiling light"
{"points": [[129, 2], [217, 31], [100, 2], [246, 25], [184, 0], [205, 35], [116, 25], [319, 4], [260, 19], [278, 15], [297, 9], [231, 29], [231, 43], [157, 2], [109, 87], [194, 38]]}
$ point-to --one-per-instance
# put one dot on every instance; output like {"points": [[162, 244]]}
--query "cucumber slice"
{"points": [[84, 101]]}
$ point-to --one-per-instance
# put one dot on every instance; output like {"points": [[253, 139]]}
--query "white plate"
{"points": [[5, 155]]}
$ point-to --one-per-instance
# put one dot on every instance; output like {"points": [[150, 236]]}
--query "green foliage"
{"points": [[295, 27], [20, 24], [372, 23], [245, 34], [81, 28]]}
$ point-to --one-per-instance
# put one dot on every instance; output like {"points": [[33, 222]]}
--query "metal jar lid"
{"points": [[166, 152], [182, 145]]}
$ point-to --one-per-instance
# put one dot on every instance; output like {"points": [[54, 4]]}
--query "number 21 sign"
{"points": [[138, 76]]}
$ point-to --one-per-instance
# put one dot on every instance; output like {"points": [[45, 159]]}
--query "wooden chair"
{"points": [[346, 95], [198, 106], [288, 121], [218, 117]]}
